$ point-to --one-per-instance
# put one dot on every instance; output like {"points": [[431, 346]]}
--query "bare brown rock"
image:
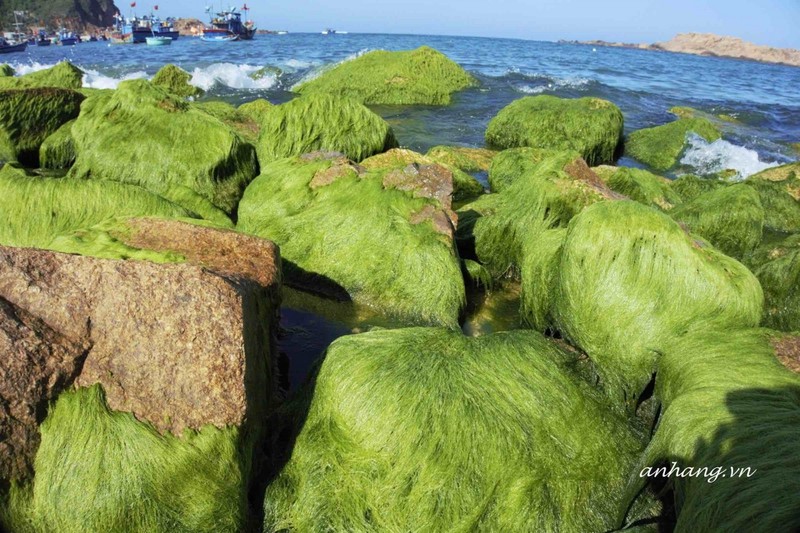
{"points": [[426, 181], [335, 172], [178, 345], [189, 26], [787, 349], [38, 363]]}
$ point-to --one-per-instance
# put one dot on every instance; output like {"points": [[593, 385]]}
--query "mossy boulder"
{"points": [[57, 152], [64, 75], [779, 190], [382, 237], [462, 158], [509, 165], [256, 110], [427, 429], [175, 80], [243, 123], [6, 70], [413, 77], [590, 126], [731, 413], [731, 218], [796, 148], [640, 185], [321, 122], [144, 136], [631, 280], [35, 210], [29, 116], [465, 187], [777, 267], [690, 186], [661, 147], [501, 224]]}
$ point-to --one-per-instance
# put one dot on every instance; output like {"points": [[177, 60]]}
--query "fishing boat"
{"points": [[67, 38], [158, 41], [7, 47], [18, 41], [42, 40], [228, 23]]}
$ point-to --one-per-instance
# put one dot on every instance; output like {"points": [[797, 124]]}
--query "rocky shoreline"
{"points": [[149, 235], [707, 44]]}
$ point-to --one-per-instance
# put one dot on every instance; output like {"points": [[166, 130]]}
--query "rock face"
{"points": [[38, 363], [189, 26], [178, 345], [413, 77]]}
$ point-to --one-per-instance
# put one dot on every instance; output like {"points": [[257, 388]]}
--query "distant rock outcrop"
{"points": [[189, 26], [74, 14], [708, 44]]}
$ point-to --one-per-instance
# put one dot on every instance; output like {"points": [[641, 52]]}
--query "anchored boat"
{"points": [[227, 26], [158, 41]]}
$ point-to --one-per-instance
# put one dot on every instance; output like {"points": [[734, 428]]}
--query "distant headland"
{"points": [[73, 14], [708, 44]]}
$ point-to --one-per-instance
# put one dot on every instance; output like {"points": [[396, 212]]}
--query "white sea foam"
{"points": [[95, 80], [553, 84], [26, 68], [231, 75], [709, 158]]}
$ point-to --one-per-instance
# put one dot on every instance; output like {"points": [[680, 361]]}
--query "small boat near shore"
{"points": [[67, 38], [227, 26], [158, 41], [218, 37], [8, 48]]}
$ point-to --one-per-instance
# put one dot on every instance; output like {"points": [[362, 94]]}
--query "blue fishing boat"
{"points": [[7, 47], [227, 26], [67, 38], [43, 40], [140, 28]]}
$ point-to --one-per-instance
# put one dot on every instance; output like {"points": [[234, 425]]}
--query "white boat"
{"points": [[215, 37], [159, 41]]}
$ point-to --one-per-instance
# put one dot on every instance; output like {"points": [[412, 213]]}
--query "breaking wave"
{"points": [[317, 72], [233, 76], [94, 80], [709, 158]]}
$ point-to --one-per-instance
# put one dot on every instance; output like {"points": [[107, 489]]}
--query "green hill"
{"points": [[74, 14]]}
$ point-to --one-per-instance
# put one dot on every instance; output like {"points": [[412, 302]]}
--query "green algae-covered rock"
{"points": [[144, 136], [689, 186], [796, 148], [379, 237], [462, 158], [64, 75], [731, 412], [256, 110], [731, 218], [414, 77], [322, 122], [243, 123], [631, 280], [175, 80], [661, 147], [590, 126], [509, 165], [58, 150], [501, 224], [6, 70], [29, 116], [640, 185], [779, 190], [426, 429], [777, 267], [35, 210], [465, 187]]}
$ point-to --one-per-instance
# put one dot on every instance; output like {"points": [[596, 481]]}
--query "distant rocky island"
{"points": [[72, 14], [708, 44]]}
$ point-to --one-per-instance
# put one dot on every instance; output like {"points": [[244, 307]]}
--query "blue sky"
{"points": [[773, 22]]}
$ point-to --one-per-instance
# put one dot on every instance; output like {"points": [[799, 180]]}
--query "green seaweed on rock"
{"points": [[57, 152], [590, 126], [731, 218], [509, 165], [689, 186], [164, 158], [661, 146], [466, 159], [344, 234], [412, 77], [64, 75], [321, 122], [777, 267], [175, 80], [641, 186], [426, 429], [779, 190]]}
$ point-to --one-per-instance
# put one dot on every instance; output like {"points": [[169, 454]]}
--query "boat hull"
{"points": [[159, 41], [21, 47], [68, 42]]}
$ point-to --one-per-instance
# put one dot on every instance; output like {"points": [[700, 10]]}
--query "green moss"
{"points": [[320, 122], [641, 186], [732, 219], [428, 430], [727, 404], [144, 136], [243, 123], [538, 270], [465, 187], [57, 152], [591, 126], [414, 77], [661, 147], [501, 224], [777, 267], [257, 110], [175, 80], [509, 165], [6, 70], [100, 470], [631, 280], [29, 116], [779, 190], [353, 238], [35, 210], [795, 147], [466, 159], [689, 186], [64, 76], [263, 72]]}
